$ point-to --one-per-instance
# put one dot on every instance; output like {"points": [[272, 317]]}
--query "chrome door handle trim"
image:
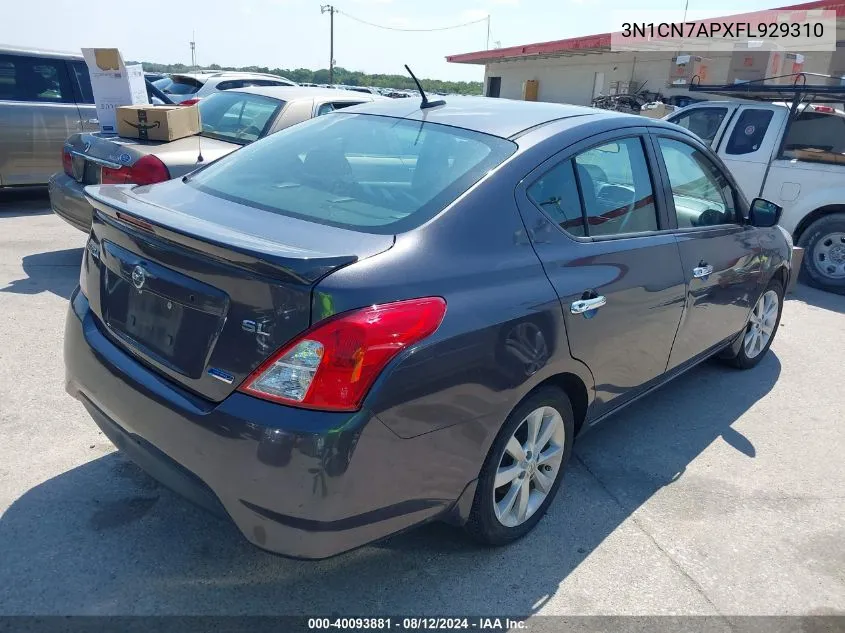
{"points": [[702, 271], [585, 305]]}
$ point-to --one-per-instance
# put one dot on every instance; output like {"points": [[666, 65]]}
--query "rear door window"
{"points": [[703, 122], [350, 171], [749, 131], [35, 79]]}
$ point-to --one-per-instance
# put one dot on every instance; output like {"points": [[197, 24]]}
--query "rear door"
{"points": [[719, 252], [37, 113], [84, 95], [611, 258], [750, 142]]}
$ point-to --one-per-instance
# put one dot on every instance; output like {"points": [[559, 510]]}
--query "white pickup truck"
{"points": [[797, 162]]}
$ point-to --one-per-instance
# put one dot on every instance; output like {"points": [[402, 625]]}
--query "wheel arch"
{"points": [[573, 386], [814, 215]]}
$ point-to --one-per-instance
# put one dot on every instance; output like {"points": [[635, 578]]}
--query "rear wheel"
{"points": [[524, 469], [824, 253], [762, 326]]}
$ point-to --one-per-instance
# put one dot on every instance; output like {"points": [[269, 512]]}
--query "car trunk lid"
{"points": [[203, 290], [90, 152]]}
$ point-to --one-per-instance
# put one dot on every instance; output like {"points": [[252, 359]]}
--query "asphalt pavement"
{"points": [[722, 493]]}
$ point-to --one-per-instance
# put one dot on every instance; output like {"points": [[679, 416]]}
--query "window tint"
{"points": [[703, 122], [702, 194], [557, 194], [749, 131], [33, 79], [237, 117], [616, 188], [83, 81], [234, 83], [178, 85], [817, 137], [321, 170]]}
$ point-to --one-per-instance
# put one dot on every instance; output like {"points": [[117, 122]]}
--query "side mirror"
{"points": [[763, 213]]}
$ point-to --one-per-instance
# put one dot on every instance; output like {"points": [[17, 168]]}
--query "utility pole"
{"points": [[488, 33], [193, 49], [328, 8]]}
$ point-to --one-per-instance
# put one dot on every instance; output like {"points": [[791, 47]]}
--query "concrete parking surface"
{"points": [[723, 493]]}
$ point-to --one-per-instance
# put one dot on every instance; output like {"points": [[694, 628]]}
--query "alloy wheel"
{"points": [[529, 466], [761, 324]]}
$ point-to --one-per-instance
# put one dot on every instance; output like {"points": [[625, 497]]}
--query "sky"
{"points": [[294, 34]]}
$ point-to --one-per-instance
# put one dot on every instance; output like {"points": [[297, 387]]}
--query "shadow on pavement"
{"points": [[24, 201], [818, 298], [104, 538], [53, 271]]}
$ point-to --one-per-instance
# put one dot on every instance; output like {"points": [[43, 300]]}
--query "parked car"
{"points": [[153, 77], [45, 96], [230, 120], [798, 164], [386, 315], [188, 88]]}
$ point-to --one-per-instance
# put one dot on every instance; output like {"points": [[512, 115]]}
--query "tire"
{"points": [[484, 525], [748, 355], [828, 230]]}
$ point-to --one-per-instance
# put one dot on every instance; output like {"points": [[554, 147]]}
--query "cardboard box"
{"points": [[114, 84], [684, 67], [656, 110], [158, 123], [751, 64], [623, 87]]}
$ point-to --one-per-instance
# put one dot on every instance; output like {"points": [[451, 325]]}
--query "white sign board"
{"points": [[114, 84]]}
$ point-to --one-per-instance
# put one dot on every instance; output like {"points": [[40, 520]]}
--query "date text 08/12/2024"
{"points": [[416, 624]]}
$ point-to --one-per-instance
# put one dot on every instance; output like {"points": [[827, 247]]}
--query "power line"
{"points": [[394, 28]]}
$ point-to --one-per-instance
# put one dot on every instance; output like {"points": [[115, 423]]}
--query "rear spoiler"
{"points": [[116, 204]]}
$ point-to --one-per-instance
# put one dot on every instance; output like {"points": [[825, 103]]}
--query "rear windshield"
{"points": [[237, 117], [369, 173], [178, 85]]}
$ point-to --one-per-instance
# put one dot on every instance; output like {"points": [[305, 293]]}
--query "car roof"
{"points": [[38, 52], [499, 117], [290, 93], [226, 74]]}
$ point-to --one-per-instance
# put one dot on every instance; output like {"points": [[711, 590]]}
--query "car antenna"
{"points": [[425, 102], [199, 136]]}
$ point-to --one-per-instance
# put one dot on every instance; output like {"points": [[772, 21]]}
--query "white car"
{"points": [[188, 88], [798, 164]]}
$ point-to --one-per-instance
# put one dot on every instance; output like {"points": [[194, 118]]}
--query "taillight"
{"points": [[823, 108], [333, 365], [146, 171], [188, 102], [67, 161]]}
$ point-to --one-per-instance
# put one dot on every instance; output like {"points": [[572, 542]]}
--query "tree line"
{"points": [[341, 76]]}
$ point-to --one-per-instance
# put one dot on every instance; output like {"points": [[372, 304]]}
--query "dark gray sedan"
{"points": [[230, 120], [394, 313]]}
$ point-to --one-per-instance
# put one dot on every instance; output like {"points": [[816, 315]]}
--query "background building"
{"points": [[578, 69]]}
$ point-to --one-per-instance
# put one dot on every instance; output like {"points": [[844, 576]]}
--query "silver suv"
{"points": [[45, 96], [192, 87]]}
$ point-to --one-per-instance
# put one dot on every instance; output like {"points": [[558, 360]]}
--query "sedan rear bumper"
{"points": [[301, 483], [67, 199]]}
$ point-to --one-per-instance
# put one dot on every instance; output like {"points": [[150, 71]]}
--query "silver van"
{"points": [[45, 96]]}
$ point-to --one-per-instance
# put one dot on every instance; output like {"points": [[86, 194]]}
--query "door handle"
{"points": [[94, 121], [586, 305], [704, 270]]}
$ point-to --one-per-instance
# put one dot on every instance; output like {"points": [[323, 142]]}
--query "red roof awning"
{"points": [[602, 41]]}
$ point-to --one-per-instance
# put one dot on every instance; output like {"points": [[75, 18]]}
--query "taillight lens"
{"points": [[333, 365], [188, 102], [67, 161], [147, 170]]}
